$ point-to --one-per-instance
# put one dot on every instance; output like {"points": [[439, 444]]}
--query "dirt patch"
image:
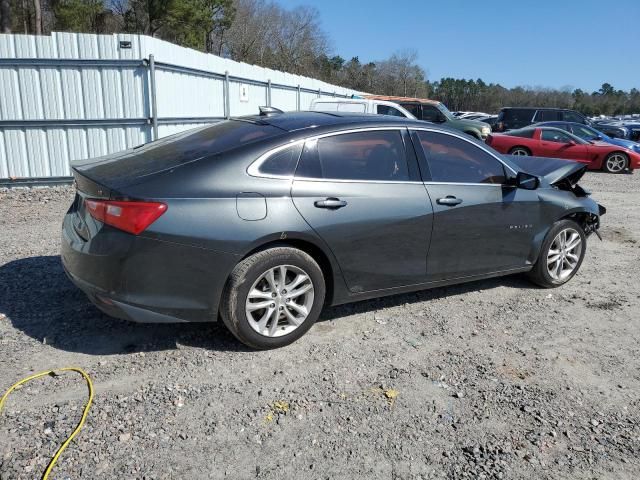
{"points": [[494, 379]]}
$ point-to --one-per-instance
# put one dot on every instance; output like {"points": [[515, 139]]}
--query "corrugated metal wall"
{"points": [[71, 96]]}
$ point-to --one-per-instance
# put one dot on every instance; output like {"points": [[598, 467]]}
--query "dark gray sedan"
{"points": [[263, 220]]}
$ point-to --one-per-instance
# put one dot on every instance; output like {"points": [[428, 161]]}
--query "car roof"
{"points": [[296, 121], [396, 99]]}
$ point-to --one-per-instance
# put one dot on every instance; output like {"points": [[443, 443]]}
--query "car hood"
{"points": [[553, 170], [621, 142]]}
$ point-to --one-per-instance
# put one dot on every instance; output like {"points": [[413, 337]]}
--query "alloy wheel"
{"points": [[279, 301], [520, 152], [564, 254], [616, 163]]}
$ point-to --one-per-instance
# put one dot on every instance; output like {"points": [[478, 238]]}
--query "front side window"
{"points": [[554, 136], [375, 155], [547, 116], [413, 108], [431, 114], [388, 110], [452, 159]]}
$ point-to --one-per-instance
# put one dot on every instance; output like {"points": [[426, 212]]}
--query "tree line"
{"points": [[264, 33]]}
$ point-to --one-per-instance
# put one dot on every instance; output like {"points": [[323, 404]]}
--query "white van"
{"points": [[359, 105]]}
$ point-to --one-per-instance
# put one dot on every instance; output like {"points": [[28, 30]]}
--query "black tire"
{"points": [[540, 273], [608, 164], [241, 280], [518, 150]]}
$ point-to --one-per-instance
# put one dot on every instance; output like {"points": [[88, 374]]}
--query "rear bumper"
{"points": [[145, 280]]}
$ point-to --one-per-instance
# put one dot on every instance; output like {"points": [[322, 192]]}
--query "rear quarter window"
{"points": [[282, 162], [523, 133]]}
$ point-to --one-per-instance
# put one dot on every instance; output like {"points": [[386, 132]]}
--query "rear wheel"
{"points": [[273, 297], [523, 151], [561, 255], [616, 162]]}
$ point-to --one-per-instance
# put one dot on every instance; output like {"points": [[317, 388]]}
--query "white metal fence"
{"points": [[70, 96]]}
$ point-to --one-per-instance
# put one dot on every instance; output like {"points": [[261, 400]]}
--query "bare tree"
{"points": [[37, 12], [5, 16]]}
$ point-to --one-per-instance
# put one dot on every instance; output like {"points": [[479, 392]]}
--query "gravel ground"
{"points": [[493, 379]]}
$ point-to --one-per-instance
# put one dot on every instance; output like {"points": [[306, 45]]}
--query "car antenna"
{"points": [[268, 111]]}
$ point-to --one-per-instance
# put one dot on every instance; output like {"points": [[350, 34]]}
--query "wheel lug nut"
{"points": [[274, 294], [288, 300], [284, 292], [273, 305], [281, 307]]}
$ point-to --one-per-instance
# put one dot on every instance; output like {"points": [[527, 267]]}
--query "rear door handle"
{"points": [[449, 200], [331, 203]]}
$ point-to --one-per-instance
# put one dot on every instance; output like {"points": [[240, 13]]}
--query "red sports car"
{"points": [[556, 143]]}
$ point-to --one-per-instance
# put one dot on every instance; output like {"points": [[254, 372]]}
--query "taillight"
{"points": [[132, 217]]}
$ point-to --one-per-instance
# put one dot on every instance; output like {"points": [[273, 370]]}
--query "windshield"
{"points": [[445, 111], [587, 133]]}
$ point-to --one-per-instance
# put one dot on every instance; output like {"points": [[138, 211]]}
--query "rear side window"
{"points": [[387, 110], [413, 109], [282, 163], [522, 116], [548, 116], [452, 159], [376, 155], [570, 116]]}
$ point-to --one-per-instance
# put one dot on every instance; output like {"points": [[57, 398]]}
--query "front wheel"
{"points": [[561, 255], [273, 297], [616, 162]]}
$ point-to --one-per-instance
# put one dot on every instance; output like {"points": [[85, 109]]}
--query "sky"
{"points": [[545, 43]]}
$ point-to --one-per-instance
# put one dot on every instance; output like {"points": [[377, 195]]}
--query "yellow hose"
{"points": [[84, 413]]}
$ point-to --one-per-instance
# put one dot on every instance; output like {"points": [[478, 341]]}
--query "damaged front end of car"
{"points": [[563, 176]]}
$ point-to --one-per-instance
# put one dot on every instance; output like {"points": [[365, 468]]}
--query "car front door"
{"points": [[480, 223], [554, 143], [362, 196]]}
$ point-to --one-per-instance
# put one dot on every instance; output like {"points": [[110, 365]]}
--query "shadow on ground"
{"points": [[39, 300]]}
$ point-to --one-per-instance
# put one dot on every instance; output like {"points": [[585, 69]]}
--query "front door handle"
{"points": [[331, 203], [449, 200]]}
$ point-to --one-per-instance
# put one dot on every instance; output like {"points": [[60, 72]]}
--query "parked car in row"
{"points": [[359, 105], [511, 118], [264, 220], [422, 109], [613, 129], [590, 134], [556, 143], [436, 112]]}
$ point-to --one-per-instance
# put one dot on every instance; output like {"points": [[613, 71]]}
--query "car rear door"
{"points": [[361, 193], [480, 224]]}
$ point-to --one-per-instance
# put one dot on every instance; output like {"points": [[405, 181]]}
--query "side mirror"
{"points": [[526, 181], [441, 118], [571, 142]]}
